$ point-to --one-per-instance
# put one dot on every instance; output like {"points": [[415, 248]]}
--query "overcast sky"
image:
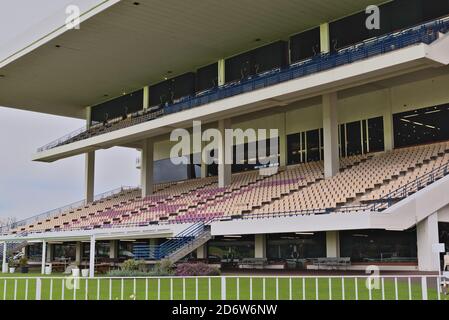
{"points": [[28, 188]]}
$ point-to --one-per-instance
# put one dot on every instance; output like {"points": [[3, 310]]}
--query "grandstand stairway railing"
{"points": [[177, 247], [12, 248], [185, 242], [410, 188]]}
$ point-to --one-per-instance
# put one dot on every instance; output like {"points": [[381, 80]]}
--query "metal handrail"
{"points": [[403, 191], [424, 33], [74, 205]]}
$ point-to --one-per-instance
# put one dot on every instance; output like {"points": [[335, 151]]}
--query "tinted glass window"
{"points": [[379, 245]]}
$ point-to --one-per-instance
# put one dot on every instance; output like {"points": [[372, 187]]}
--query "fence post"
{"points": [[223, 288], [38, 288], [424, 288]]}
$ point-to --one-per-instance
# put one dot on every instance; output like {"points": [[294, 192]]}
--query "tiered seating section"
{"points": [[297, 189], [427, 33]]}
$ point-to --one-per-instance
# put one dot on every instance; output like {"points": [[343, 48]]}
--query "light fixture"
{"points": [[305, 233], [230, 236], [127, 240], [360, 235]]}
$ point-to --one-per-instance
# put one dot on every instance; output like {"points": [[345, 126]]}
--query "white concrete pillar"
{"points": [[44, 256], [113, 249], [78, 256], [89, 177], [197, 147], [221, 72], [146, 167], [283, 142], [5, 251], [49, 252], [146, 97], [332, 244], [201, 252], [324, 38], [388, 124], [224, 165], [330, 132], [92, 257], [427, 236], [260, 246]]}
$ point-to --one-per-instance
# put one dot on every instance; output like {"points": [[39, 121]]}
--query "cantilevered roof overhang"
{"points": [[400, 62], [121, 47]]}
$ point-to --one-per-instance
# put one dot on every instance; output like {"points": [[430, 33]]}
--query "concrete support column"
{"points": [[388, 124], [427, 236], [78, 253], [332, 244], [198, 146], [224, 165], [5, 250], [113, 249], [44, 256], [283, 142], [89, 177], [92, 257], [50, 252], [146, 97], [201, 252], [324, 38], [260, 246], [89, 165], [330, 132], [146, 167], [221, 72]]}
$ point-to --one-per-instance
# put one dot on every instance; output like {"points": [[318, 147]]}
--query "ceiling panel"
{"points": [[126, 47]]}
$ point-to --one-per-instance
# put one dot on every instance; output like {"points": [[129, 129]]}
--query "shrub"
{"points": [[131, 265], [163, 268], [196, 269], [23, 262]]}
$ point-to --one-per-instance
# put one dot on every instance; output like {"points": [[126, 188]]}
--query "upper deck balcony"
{"points": [[399, 53]]}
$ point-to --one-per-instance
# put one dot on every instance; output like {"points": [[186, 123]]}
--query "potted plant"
{"points": [[23, 263], [12, 266]]}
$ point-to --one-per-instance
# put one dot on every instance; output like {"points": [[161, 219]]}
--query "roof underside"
{"points": [[127, 47]]}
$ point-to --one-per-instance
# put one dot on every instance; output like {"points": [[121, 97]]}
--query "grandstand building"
{"points": [[362, 116]]}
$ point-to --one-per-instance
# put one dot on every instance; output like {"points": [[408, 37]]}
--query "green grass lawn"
{"points": [[16, 286]]}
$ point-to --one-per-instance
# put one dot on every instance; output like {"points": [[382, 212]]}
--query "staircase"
{"points": [[184, 243], [12, 248]]}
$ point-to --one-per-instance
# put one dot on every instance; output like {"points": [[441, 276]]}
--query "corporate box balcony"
{"points": [[391, 55]]}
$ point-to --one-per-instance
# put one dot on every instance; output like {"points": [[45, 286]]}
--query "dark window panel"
{"points": [[207, 77], [305, 45], [117, 107]]}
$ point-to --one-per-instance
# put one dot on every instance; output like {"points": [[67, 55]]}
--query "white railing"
{"points": [[400, 287], [75, 205]]}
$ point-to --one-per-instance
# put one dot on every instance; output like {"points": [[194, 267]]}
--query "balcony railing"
{"points": [[425, 33], [52, 213]]}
